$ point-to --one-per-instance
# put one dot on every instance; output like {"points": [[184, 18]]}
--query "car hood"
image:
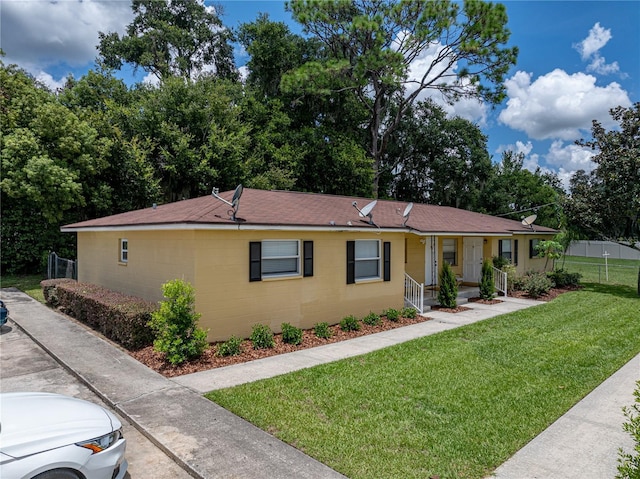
{"points": [[36, 422]]}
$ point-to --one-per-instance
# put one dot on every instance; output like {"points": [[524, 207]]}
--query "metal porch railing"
{"points": [[500, 280], [414, 293]]}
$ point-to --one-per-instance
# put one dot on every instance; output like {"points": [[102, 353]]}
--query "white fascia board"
{"points": [[454, 234], [240, 227]]}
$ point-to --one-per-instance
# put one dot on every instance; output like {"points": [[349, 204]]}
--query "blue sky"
{"points": [[577, 60]]}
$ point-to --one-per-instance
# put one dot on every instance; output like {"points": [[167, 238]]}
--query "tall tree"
{"points": [[371, 46], [50, 162], [606, 202], [516, 192], [435, 159], [171, 38]]}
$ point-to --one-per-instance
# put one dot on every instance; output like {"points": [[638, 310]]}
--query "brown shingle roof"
{"points": [[298, 210]]}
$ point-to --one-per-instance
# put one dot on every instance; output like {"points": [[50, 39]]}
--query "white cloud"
{"points": [[37, 34], [570, 157], [470, 109], [598, 37], [600, 66], [50, 82], [590, 47], [558, 105]]}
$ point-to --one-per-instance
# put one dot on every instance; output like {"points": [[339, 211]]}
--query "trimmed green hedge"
{"points": [[121, 318]]}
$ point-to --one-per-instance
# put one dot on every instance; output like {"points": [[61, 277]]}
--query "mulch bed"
{"points": [[209, 360]]}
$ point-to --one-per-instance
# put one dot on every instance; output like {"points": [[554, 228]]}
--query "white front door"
{"points": [[472, 262], [430, 263]]}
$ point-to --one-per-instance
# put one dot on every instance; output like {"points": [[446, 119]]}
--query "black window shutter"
{"points": [[255, 261], [351, 262], [515, 251], [387, 261], [307, 247], [532, 249], [500, 248]]}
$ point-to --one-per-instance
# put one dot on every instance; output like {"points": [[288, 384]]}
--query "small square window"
{"points": [[280, 258]]}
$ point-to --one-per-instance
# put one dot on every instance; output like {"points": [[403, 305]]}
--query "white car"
{"points": [[50, 436]]}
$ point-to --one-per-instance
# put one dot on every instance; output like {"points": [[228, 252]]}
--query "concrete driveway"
{"points": [[27, 367]]}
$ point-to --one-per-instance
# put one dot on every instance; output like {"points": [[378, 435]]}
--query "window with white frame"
{"points": [[124, 250], [280, 258], [450, 251], [367, 259]]}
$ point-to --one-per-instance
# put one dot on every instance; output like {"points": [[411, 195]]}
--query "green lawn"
{"points": [[456, 404], [594, 270], [30, 284]]}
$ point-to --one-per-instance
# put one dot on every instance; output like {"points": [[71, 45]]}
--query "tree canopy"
{"points": [[606, 202], [171, 38], [370, 46]]}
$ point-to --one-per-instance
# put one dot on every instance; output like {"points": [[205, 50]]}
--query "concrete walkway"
{"points": [[210, 442]]}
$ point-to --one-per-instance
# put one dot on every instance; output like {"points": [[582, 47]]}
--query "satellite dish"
{"points": [[528, 221], [366, 211], [236, 196], [234, 201], [407, 210]]}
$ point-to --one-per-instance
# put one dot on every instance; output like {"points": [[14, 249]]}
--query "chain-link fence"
{"points": [[596, 270], [61, 267]]}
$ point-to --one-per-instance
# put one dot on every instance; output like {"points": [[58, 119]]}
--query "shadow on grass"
{"points": [[621, 291]]}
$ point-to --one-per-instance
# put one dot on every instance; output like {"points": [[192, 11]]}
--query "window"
{"points": [[450, 251], [124, 250], [508, 249], [364, 260], [279, 258], [533, 245]]}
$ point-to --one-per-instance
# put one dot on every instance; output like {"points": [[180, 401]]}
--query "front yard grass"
{"points": [[457, 404], [30, 284]]}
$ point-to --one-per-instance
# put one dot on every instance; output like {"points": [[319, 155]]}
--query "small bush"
{"points": [[350, 323], [322, 330], [487, 284], [409, 312], [562, 278], [448, 293], [537, 284], [291, 334], [371, 319], [629, 464], [392, 314], [175, 324], [499, 262], [262, 337], [514, 282], [231, 347]]}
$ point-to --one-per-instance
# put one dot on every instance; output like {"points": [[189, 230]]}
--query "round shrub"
{"points": [[262, 337], [231, 347], [392, 314], [409, 312], [537, 284], [371, 319], [291, 334], [322, 330], [350, 323]]}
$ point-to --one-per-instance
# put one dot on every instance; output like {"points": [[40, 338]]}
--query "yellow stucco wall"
{"points": [[525, 263], [217, 264], [415, 257]]}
